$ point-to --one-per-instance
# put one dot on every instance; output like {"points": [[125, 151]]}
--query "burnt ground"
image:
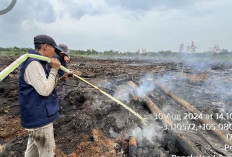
{"points": [[93, 125]]}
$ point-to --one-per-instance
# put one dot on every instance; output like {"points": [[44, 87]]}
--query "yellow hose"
{"points": [[21, 59], [111, 97]]}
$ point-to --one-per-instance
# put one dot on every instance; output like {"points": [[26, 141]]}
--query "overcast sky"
{"points": [[122, 25]]}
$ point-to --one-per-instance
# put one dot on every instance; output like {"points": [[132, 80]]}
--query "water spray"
{"points": [[21, 59]]}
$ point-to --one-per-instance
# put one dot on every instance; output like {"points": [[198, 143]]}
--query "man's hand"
{"points": [[55, 63], [67, 75]]}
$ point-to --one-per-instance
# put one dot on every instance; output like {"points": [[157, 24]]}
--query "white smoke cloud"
{"points": [[146, 85], [122, 93], [149, 132]]}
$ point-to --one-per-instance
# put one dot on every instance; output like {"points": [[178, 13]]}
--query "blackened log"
{"points": [[132, 147]]}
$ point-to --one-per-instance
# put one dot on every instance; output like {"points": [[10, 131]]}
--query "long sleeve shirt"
{"points": [[35, 76]]}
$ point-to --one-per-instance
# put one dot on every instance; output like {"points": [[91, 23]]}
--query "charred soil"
{"points": [[93, 125]]}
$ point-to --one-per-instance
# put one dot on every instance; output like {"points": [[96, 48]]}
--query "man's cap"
{"points": [[45, 39], [65, 49]]}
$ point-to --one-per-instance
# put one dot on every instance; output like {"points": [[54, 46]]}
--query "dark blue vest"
{"points": [[36, 110], [62, 62]]}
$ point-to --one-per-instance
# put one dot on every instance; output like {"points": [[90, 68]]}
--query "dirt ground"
{"points": [[93, 125]]}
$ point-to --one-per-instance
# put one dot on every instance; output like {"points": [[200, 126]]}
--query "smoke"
{"points": [[149, 133], [208, 91], [146, 85], [122, 93], [100, 101], [220, 90], [201, 62], [198, 62], [97, 103], [108, 84], [170, 80]]}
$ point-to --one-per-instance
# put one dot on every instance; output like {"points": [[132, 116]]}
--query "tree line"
{"points": [[17, 51]]}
